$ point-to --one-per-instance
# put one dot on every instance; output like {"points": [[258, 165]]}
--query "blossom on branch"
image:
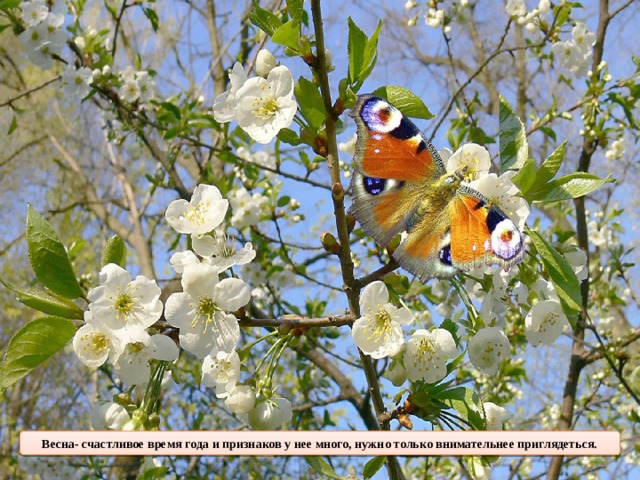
{"points": [[121, 303], [378, 332], [202, 214], [427, 353], [261, 106], [199, 311]]}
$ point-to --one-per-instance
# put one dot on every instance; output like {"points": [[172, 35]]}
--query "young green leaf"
{"points": [[33, 344], [373, 466], [13, 125], [574, 185], [115, 251], [363, 53], [550, 166], [514, 149], [320, 465], [356, 45], [409, 104], [310, 103], [561, 274], [526, 176], [295, 9], [49, 258], [265, 20], [46, 303], [151, 14], [288, 35], [287, 135]]}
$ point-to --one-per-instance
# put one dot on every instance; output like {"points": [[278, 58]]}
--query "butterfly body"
{"points": [[400, 186]]}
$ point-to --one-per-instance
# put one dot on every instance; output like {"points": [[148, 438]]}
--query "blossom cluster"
{"points": [[575, 55], [44, 35], [261, 105], [122, 314], [438, 14]]}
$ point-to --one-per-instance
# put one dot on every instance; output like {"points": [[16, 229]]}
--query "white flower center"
{"points": [[424, 353], [265, 108], [382, 325], [98, 343], [198, 215], [206, 313], [125, 306]]}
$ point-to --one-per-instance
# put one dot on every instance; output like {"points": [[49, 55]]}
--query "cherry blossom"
{"points": [[378, 332]]}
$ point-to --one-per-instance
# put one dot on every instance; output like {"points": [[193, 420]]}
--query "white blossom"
{"points": [[544, 322], [265, 106], [132, 360], [220, 370], [248, 209], [221, 250], [202, 214], [426, 355], [494, 415], [109, 416], [34, 12], [77, 82], [378, 332], [224, 105], [265, 62], [239, 398], [121, 303], [270, 414], [487, 348], [94, 343], [199, 311]]}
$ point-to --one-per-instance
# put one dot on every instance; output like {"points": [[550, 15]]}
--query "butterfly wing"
{"points": [[471, 232], [393, 162], [481, 233]]}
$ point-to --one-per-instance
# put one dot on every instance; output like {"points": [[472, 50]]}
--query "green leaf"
{"points": [[295, 9], [151, 14], [370, 53], [46, 303], [155, 473], [570, 186], [287, 135], [9, 4], [288, 35], [526, 176], [409, 104], [356, 45], [551, 165], [363, 53], [322, 467], [562, 276], [32, 345], [282, 201], [115, 251], [263, 19], [373, 466], [13, 125], [467, 403], [310, 103], [49, 258], [514, 149]]}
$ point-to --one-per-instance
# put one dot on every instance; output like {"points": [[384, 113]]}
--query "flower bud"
{"points": [[265, 62]]}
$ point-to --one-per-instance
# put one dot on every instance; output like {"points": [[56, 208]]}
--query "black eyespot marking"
{"points": [[479, 205], [445, 255], [374, 186], [494, 218], [405, 130], [421, 146]]}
